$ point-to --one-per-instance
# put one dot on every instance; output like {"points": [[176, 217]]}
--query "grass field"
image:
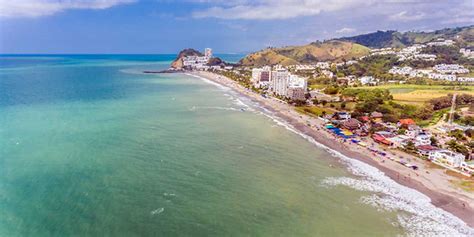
{"points": [[416, 87], [313, 110], [419, 94], [317, 86]]}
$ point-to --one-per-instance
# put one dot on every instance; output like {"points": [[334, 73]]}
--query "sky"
{"points": [[227, 26]]}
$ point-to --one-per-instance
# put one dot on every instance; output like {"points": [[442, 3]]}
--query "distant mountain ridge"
{"points": [[347, 48], [395, 39]]}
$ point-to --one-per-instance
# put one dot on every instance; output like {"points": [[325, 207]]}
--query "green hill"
{"points": [[311, 53], [381, 39]]}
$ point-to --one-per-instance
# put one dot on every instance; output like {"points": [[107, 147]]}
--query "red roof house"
{"points": [[406, 122]]}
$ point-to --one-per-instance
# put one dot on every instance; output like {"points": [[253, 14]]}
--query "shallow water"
{"points": [[89, 146]]}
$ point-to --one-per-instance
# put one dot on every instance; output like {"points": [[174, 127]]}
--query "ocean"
{"points": [[91, 146]]}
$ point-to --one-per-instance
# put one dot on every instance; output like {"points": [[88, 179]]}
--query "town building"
{"points": [[427, 150], [422, 139], [441, 42], [198, 62], [412, 131], [297, 87], [376, 116], [261, 77], [351, 124], [296, 93], [208, 52], [450, 69], [399, 141], [368, 80], [279, 81], [342, 115], [447, 158]]}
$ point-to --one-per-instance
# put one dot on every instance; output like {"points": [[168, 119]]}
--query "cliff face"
{"points": [[178, 62]]}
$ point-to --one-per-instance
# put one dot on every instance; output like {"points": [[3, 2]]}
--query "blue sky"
{"points": [[227, 26]]}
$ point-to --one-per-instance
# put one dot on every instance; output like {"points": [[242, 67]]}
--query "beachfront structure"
{"points": [[297, 82], [297, 87], [447, 158], [399, 141], [468, 167], [261, 76], [279, 81], [296, 93], [427, 150]]}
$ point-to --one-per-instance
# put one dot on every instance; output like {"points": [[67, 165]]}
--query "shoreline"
{"points": [[434, 184]]}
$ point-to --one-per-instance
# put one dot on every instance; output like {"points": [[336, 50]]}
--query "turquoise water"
{"points": [[89, 146]]}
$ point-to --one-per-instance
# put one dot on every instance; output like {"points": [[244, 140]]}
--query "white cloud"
{"points": [[406, 16], [272, 9], [37, 8], [345, 30]]}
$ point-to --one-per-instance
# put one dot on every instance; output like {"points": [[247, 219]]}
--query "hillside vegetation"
{"points": [[395, 39], [311, 53]]}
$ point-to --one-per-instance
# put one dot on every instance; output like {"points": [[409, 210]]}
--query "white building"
{"points": [[398, 141], [297, 87], [466, 79], [412, 131], [447, 158], [261, 76], [422, 139], [297, 81], [450, 69], [198, 62], [405, 71], [368, 80], [279, 81], [441, 42], [208, 52], [444, 77], [323, 65]]}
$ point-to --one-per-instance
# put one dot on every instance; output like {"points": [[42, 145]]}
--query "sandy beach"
{"points": [[433, 182]]}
